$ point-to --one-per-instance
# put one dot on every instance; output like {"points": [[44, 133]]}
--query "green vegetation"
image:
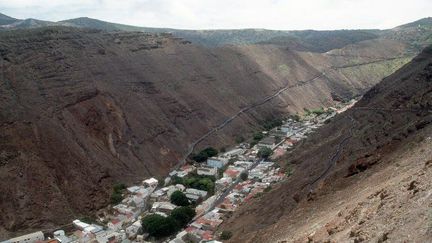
{"points": [[183, 215], [289, 170], [159, 226], [258, 136], [272, 123], [205, 183], [317, 112], [226, 235], [244, 176], [116, 196], [264, 153], [179, 198], [204, 154]]}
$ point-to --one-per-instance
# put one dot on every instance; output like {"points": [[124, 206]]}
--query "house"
{"points": [[195, 194], [164, 207], [234, 152], [115, 224], [223, 183], [217, 162], [207, 171], [28, 238], [243, 164], [232, 173], [152, 182], [133, 189], [267, 142], [80, 225], [133, 229]]}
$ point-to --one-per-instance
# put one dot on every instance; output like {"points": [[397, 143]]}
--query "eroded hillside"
{"points": [[82, 109], [365, 176]]}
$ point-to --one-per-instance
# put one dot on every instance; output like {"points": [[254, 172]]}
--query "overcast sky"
{"points": [[228, 14]]}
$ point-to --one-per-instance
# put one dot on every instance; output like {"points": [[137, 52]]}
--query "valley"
{"points": [[91, 104]]}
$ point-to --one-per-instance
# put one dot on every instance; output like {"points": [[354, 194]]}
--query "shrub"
{"points": [[118, 187], [116, 197], [179, 198], [159, 226], [258, 136], [183, 215], [244, 176], [264, 152], [226, 235]]}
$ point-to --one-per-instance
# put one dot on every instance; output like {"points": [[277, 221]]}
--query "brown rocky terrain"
{"points": [[83, 109], [364, 177]]}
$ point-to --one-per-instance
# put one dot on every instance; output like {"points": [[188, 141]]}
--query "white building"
{"points": [[164, 207], [208, 171], [29, 238], [152, 182], [195, 194], [217, 162]]}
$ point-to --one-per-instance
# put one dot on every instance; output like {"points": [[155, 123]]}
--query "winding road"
{"points": [[266, 99]]}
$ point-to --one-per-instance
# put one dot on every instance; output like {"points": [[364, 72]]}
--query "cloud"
{"points": [[217, 14]]}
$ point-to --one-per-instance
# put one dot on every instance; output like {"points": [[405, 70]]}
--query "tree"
{"points": [[226, 235], [204, 154], [159, 226], [258, 136], [244, 176], [116, 197], [179, 198], [264, 152], [183, 215]]}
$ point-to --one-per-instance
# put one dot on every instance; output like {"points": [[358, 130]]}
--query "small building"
{"points": [[223, 183], [133, 189], [217, 162], [163, 207], [115, 224], [152, 182], [207, 171], [28, 238], [232, 173], [267, 142], [79, 224], [234, 152], [195, 194]]}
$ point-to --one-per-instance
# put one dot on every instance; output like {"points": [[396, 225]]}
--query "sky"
{"points": [[229, 14]]}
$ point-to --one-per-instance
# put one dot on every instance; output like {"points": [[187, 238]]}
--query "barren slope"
{"points": [[82, 109], [366, 176]]}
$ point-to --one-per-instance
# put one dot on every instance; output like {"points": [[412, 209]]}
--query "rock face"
{"points": [[83, 109], [359, 183]]}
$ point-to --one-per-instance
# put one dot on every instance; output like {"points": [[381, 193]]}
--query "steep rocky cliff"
{"points": [[368, 180], [82, 109]]}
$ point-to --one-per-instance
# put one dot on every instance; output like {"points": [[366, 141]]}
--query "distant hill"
{"points": [[323, 41], [4, 19], [306, 40]]}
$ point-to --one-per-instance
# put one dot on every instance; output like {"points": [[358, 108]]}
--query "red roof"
{"points": [[232, 173], [207, 235], [115, 221]]}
